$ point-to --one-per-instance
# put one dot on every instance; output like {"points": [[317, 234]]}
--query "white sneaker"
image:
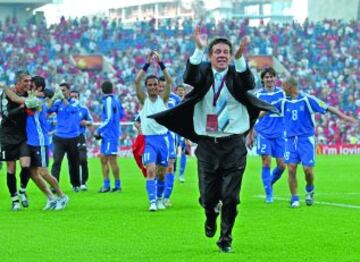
{"points": [[152, 207], [295, 204], [15, 206], [181, 179], [83, 188], [62, 202], [23, 199], [309, 198], [50, 204], [160, 204], [167, 202]]}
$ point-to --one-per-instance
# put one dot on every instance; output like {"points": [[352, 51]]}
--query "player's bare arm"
{"points": [[140, 94], [169, 81]]}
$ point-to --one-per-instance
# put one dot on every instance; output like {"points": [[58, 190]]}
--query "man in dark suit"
{"points": [[216, 114]]}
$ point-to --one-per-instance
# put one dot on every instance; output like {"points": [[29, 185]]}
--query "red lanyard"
{"points": [[217, 94]]}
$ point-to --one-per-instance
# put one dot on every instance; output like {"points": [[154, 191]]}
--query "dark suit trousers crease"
{"points": [[84, 169], [70, 147], [220, 170]]}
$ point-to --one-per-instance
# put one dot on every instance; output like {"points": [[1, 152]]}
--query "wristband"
{"points": [[162, 66], [145, 67]]}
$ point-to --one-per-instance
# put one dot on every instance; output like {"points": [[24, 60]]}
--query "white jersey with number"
{"points": [[150, 126]]}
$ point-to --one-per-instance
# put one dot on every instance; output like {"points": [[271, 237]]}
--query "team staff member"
{"points": [[85, 120], [216, 114], [66, 135]]}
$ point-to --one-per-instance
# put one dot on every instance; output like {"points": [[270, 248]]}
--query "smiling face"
{"points": [[220, 56], [24, 84], [152, 87], [269, 80]]}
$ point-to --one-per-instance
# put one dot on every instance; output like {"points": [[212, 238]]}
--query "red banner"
{"points": [[89, 62], [260, 61], [342, 149]]}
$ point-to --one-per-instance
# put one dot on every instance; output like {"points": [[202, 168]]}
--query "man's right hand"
{"points": [[200, 39], [249, 141], [149, 57]]}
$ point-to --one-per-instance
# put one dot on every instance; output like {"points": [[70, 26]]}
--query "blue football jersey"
{"points": [[174, 99], [298, 114], [111, 115], [84, 114], [37, 128], [271, 125], [67, 118]]}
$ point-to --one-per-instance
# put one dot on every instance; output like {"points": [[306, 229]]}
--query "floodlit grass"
{"points": [[118, 227]]}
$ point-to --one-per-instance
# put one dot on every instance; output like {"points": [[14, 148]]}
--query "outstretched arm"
{"points": [[30, 102], [192, 74], [244, 77], [139, 77], [341, 115], [12, 95]]}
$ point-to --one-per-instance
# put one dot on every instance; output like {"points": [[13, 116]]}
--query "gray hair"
{"points": [[20, 74], [290, 80]]}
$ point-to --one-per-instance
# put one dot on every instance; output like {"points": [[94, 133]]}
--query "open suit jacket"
{"points": [[180, 118]]}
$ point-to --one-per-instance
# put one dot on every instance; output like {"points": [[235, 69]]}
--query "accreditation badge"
{"points": [[212, 123]]}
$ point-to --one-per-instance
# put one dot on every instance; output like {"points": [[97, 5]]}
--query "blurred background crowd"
{"points": [[324, 56]]}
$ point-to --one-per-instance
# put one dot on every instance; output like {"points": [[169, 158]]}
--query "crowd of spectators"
{"points": [[324, 56]]}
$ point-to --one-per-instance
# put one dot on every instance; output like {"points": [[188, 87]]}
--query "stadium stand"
{"points": [[323, 55]]}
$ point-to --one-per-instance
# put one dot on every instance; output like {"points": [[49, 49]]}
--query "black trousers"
{"points": [[221, 164], [70, 147], [84, 169]]}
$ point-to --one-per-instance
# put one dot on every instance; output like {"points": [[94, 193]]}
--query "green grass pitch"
{"points": [[118, 227]]}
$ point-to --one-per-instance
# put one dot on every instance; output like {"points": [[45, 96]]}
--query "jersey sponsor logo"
{"points": [[322, 104]]}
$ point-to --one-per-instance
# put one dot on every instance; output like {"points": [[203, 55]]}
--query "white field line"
{"points": [[317, 202]]}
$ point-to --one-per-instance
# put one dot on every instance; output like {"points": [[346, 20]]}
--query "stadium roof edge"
{"points": [[140, 2]]}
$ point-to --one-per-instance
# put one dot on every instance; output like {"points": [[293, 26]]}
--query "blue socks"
{"points": [[151, 189], [276, 174], [309, 188], [295, 198], [266, 179], [160, 186], [106, 183], [182, 164], [169, 185], [117, 183]]}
